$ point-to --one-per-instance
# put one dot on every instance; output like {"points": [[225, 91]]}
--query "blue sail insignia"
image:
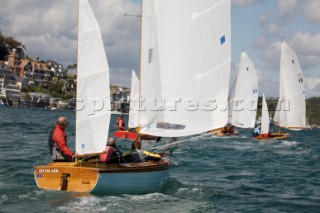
{"points": [[222, 39]]}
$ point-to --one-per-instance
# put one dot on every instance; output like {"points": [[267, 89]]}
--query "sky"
{"points": [[48, 30]]}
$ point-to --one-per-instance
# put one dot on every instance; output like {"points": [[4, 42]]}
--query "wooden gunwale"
{"points": [[275, 135]]}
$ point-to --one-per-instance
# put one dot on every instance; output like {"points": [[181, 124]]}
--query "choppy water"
{"points": [[210, 174]]}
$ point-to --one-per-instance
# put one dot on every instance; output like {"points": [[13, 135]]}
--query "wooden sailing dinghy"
{"points": [[191, 64], [291, 108], [92, 124], [265, 123], [243, 99]]}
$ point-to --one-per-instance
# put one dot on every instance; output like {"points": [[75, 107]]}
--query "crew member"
{"points": [[112, 154], [256, 131], [58, 147], [137, 155], [120, 123]]}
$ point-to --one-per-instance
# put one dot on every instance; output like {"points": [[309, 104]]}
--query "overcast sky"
{"points": [[48, 30]]}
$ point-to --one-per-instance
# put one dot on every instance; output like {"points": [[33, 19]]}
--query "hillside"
{"points": [[312, 105]]}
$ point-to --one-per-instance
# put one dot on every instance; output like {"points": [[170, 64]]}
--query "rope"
{"points": [[184, 139]]}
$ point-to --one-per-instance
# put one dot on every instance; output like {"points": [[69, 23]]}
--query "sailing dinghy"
{"points": [[291, 108], [265, 124], [185, 60], [243, 101], [92, 125]]}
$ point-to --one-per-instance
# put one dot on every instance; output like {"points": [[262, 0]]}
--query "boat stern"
{"points": [[65, 176]]}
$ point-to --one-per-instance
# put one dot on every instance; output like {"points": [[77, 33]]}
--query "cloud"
{"points": [[312, 86], [311, 11], [311, 83], [263, 20], [48, 29], [307, 47], [306, 42], [245, 2], [287, 7]]}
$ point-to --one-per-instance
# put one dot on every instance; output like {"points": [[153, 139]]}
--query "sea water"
{"points": [[210, 174]]}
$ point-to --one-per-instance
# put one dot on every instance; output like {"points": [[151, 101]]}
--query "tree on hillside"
{"points": [[7, 44], [71, 67]]}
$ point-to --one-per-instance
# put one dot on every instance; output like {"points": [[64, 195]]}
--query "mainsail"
{"points": [[244, 98], [265, 120], [291, 108], [93, 90], [134, 102], [185, 66]]}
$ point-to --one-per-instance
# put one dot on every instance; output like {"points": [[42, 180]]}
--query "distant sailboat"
{"points": [[243, 100], [291, 108], [265, 124], [265, 119]]}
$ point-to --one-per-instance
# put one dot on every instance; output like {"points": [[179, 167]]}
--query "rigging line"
{"points": [[124, 5], [177, 142], [118, 44]]}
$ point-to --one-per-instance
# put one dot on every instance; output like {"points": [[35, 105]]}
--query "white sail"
{"points": [[265, 120], [231, 101], [134, 102], [291, 108], [93, 92], [245, 97], [185, 66]]}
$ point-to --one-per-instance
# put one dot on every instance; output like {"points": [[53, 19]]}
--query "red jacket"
{"points": [[120, 124], [59, 137]]}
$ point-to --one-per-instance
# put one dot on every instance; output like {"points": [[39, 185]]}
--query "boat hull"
{"points": [[129, 178], [222, 132], [140, 182], [275, 135]]}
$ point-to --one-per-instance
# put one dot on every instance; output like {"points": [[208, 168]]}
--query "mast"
{"points": [[78, 18], [140, 71]]}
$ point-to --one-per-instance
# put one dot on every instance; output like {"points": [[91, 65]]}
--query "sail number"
{"points": [[49, 170]]}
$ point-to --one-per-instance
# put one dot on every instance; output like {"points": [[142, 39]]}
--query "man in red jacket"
{"points": [[59, 149]]}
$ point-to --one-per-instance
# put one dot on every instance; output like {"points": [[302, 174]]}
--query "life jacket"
{"points": [[51, 141], [105, 157], [120, 122]]}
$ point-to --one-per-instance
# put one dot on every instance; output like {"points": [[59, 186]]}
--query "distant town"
{"points": [[25, 82], [33, 83]]}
